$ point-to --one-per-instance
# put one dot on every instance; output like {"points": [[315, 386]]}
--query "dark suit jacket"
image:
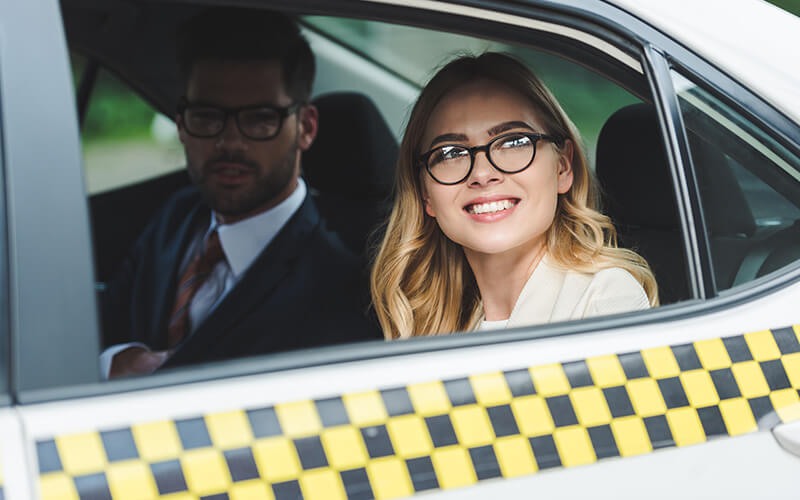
{"points": [[304, 289]]}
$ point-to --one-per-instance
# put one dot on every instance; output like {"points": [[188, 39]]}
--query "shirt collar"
{"points": [[243, 241]]}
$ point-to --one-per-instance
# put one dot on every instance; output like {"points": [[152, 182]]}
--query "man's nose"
{"points": [[231, 137], [483, 172]]}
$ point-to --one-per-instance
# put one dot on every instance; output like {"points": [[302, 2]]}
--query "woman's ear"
{"points": [[426, 201], [308, 124], [565, 167]]}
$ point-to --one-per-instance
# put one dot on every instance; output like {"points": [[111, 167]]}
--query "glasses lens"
{"points": [[260, 123], [449, 164], [204, 122], [512, 153]]}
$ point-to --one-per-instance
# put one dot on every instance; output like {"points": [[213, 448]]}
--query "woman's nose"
{"points": [[483, 173]]}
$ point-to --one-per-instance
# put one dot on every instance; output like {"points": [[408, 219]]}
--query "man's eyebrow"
{"points": [[448, 138], [499, 129]]}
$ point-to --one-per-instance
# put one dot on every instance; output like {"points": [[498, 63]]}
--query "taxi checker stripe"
{"points": [[442, 434]]}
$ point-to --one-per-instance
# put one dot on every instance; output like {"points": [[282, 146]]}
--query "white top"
{"points": [[554, 294]]}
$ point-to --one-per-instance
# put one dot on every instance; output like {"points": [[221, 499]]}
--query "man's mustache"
{"points": [[211, 164]]}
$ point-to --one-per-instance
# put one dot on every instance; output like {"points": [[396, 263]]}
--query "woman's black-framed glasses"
{"points": [[259, 122], [509, 153]]}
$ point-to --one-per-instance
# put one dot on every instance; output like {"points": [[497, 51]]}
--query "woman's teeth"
{"points": [[488, 208]]}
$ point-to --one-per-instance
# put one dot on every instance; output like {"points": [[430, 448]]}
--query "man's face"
{"points": [[238, 176]]}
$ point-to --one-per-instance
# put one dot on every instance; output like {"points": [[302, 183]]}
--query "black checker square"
{"points": [[503, 421], [423, 475], [545, 452], [241, 464], [603, 441], [441, 430], [686, 356], [737, 348], [93, 487], [311, 452], [725, 383], [119, 444], [713, 423], [397, 401], [264, 422], [218, 496], [332, 412], [484, 461], [193, 433], [287, 490], [561, 410], [633, 365], [672, 392], [459, 390], [764, 413], [2, 495], [619, 402], [775, 375], [377, 440], [169, 476], [577, 373], [356, 484], [520, 382], [786, 340], [49, 460], [659, 432]]}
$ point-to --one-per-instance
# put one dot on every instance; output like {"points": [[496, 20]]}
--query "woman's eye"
{"points": [[515, 142], [452, 153]]}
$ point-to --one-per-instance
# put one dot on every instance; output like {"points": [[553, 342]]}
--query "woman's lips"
{"points": [[491, 210]]}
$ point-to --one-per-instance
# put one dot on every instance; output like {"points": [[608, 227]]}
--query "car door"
{"points": [[599, 407]]}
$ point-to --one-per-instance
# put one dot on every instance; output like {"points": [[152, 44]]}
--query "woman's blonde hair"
{"points": [[421, 282]]}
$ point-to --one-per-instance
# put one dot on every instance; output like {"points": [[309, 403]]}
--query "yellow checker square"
{"points": [[660, 362], [606, 371], [58, 486], [712, 354], [229, 430], [631, 436], [277, 459], [183, 495], [131, 480], [738, 416], [646, 397], [491, 389], [786, 403], [322, 483], [409, 435], [532, 415], [365, 408], [514, 456], [762, 345], [699, 388], [750, 379], [206, 471], [81, 453], [298, 418], [574, 446], [685, 426], [472, 425], [389, 478], [550, 379], [453, 467], [254, 489], [791, 363], [590, 406], [344, 447], [429, 398], [157, 441]]}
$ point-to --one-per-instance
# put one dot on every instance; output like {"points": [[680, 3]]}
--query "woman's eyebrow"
{"points": [[499, 129], [448, 138]]}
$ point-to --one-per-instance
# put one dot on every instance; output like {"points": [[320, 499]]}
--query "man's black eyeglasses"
{"points": [[509, 153], [259, 122]]}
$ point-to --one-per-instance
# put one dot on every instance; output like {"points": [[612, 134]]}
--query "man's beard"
{"points": [[264, 187]]}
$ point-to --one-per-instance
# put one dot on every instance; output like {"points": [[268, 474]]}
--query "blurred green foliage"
{"points": [[792, 6]]}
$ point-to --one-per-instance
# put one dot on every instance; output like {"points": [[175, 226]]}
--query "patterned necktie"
{"points": [[196, 273]]}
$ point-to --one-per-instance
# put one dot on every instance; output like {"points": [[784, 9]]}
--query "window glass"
{"points": [[749, 188]]}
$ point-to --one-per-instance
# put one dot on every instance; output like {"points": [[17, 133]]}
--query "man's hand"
{"points": [[136, 361]]}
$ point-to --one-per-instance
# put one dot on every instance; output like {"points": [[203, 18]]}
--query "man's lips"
{"points": [[230, 172]]}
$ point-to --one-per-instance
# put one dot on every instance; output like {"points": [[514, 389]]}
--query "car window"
{"points": [[749, 188]]}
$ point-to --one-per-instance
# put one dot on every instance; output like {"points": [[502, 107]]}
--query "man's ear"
{"points": [[181, 130], [565, 167], [307, 126]]}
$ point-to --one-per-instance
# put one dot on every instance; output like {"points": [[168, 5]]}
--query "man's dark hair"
{"points": [[235, 34]]}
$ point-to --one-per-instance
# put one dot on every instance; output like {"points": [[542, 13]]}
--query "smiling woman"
{"points": [[495, 223]]}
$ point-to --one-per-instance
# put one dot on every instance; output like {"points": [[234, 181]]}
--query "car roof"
{"points": [[753, 41]]}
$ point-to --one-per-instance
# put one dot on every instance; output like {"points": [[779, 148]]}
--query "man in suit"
{"points": [[239, 264]]}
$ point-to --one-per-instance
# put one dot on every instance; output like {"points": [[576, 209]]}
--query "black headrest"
{"points": [[355, 152]]}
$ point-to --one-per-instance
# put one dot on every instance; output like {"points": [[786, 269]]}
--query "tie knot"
{"points": [[213, 249]]}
